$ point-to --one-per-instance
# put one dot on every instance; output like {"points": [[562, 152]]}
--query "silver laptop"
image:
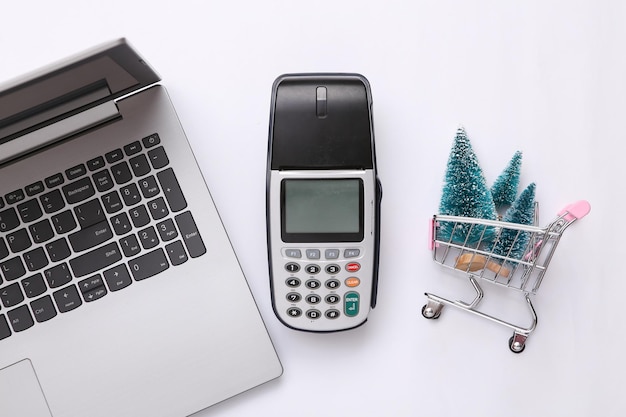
{"points": [[120, 293]]}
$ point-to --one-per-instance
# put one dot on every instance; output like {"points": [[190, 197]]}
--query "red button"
{"points": [[353, 267]]}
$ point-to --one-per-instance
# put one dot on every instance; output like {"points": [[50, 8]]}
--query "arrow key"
{"points": [[95, 294], [90, 283], [67, 299], [117, 278]]}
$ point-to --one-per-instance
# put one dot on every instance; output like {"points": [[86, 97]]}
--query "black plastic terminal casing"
{"points": [[321, 121]]}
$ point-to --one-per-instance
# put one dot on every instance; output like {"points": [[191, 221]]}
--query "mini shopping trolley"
{"points": [[506, 254]]}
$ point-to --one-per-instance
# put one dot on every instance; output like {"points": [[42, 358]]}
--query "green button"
{"points": [[351, 304]]}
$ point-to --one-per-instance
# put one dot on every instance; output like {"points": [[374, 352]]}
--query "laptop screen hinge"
{"points": [[59, 130]]}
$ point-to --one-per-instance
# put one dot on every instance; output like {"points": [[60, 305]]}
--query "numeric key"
{"points": [[8, 220]]}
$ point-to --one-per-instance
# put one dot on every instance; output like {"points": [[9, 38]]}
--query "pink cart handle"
{"points": [[431, 234], [576, 211]]}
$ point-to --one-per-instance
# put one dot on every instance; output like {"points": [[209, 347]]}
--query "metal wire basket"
{"points": [[510, 255]]}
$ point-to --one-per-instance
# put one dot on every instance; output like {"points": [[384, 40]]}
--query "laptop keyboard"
{"points": [[77, 236]]}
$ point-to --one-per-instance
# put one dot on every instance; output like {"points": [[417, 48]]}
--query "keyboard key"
{"points": [[13, 268], [67, 299], [149, 187], [102, 180], [148, 265], [58, 275], [171, 189], [8, 220], [34, 285], [158, 158], [78, 190], [63, 222], [75, 172], [41, 231], [95, 294], [5, 330], [43, 308], [121, 224], [176, 253], [29, 210], [19, 240], [130, 194], [114, 156], [11, 295], [54, 180], [14, 197], [158, 208], [121, 173], [117, 277], [167, 230], [140, 165], [139, 216], [52, 201], [148, 237], [95, 163], [91, 236], [58, 250], [112, 202], [152, 140], [90, 283], [130, 246], [34, 188], [35, 259], [132, 148], [96, 260], [89, 213], [20, 318], [190, 234]]}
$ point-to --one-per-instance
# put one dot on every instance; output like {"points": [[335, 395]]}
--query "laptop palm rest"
{"points": [[21, 392]]}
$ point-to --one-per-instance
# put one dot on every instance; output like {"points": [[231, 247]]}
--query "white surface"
{"points": [[543, 77]]}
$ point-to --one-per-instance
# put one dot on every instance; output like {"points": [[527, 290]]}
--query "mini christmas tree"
{"points": [[512, 243], [504, 189], [465, 193]]}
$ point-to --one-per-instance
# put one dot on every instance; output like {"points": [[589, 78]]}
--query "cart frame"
{"points": [[506, 254]]}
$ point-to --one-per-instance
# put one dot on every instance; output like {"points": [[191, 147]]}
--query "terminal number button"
{"points": [[332, 299], [332, 284], [332, 269], [313, 284], [292, 267], [313, 299], [312, 269], [293, 282], [313, 314], [294, 297]]}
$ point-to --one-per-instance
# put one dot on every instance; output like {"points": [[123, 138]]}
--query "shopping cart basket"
{"points": [[506, 254]]}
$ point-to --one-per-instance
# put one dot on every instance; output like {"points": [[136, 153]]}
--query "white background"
{"points": [[543, 77]]}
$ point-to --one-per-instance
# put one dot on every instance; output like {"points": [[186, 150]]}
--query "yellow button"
{"points": [[352, 282]]}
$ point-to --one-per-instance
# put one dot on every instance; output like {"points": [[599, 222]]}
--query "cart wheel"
{"points": [[516, 346], [431, 313]]}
